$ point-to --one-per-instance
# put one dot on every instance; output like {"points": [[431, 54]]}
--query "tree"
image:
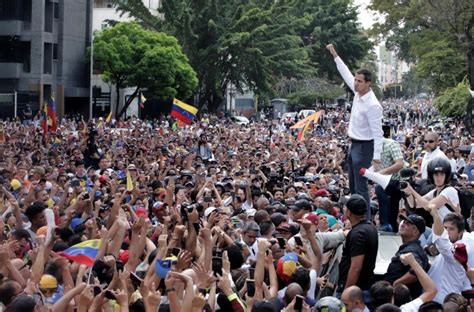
{"points": [[453, 101], [254, 44], [336, 22], [128, 55], [438, 35]]}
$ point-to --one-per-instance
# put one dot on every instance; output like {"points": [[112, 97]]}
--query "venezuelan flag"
{"points": [[52, 119], [44, 119], [83, 253], [311, 119], [142, 101], [184, 112]]}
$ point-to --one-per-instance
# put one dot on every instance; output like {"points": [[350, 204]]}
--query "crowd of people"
{"points": [[149, 215], [221, 217]]}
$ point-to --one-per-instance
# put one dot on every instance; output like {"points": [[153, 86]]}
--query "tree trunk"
{"points": [[470, 64]]}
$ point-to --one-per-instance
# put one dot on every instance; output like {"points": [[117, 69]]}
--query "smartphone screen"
{"points": [[251, 273], [281, 242], [298, 241], [250, 287], [109, 295], [136, 281], [299, 303]]}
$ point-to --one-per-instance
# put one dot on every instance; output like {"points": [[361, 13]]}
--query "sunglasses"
{"points": [[429, 141]]}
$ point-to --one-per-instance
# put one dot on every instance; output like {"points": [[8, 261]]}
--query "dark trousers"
{"points": [[360, 156], [389, 201]]}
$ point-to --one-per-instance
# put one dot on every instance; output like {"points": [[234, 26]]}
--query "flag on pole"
{"points": [[184, 112], [83, 253], [109, 117], [313, 119], [44, 119], [142, 101], [52, 119], [129, 182]]}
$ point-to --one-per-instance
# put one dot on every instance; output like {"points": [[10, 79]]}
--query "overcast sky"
{"points": [[366, 17]]}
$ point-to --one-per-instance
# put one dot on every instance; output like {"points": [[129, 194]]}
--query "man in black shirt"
{"points": [[360, 249], [410, 230]]}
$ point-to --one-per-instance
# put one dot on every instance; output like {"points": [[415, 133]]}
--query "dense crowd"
{"points": [[220, 217]]}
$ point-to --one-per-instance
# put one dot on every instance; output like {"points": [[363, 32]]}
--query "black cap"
{"points": [[357, 205], [301, 204], [417, 220]]}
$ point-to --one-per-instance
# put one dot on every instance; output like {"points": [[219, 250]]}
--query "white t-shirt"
{"points": [[451, 195], [412, 306], [446, 272]]}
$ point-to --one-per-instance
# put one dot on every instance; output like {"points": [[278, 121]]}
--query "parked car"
{"points": [[306, 112], [240, 120], [289, 116]]}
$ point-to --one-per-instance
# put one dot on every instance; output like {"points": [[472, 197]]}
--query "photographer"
{"points": [[444, 195]]}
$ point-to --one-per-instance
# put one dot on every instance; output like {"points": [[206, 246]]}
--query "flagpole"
{"points": [[91, 59]]}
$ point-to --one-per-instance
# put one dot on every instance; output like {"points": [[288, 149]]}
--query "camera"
{"points": [[407, 176]]}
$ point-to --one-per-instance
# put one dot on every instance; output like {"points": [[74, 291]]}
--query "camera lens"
{"points": [[403, 185]]}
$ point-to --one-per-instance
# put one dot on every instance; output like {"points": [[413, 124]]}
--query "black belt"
{"points": [[361, 141]]}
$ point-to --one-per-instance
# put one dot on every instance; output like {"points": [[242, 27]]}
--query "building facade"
{"points": [[43, 54]]}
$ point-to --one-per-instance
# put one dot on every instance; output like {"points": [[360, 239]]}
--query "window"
{"points": [[56, 10], [55, 51], [48, 58], [100, 4], [48, 16], [26, 55]]}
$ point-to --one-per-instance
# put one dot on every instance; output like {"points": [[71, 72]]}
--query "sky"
{"points": [[367, 18]]}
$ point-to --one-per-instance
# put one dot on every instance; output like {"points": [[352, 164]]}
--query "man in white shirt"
{"points": [[447, 271], [365, 127], [432, 151]]}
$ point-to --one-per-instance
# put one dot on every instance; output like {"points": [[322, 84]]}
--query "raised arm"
{"points": [[429, 287], [342, 68]]}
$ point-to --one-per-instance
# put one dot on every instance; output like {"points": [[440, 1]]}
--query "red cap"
{"points": [[322, 193], [362, 171], [313, 217], [123, 256], [102, 179], [141, 212]]}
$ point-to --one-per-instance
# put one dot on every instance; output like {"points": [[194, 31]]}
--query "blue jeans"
{"points": [[360, 156]]}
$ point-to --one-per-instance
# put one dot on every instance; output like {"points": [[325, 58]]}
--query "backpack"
{"points": [[466, 201]]}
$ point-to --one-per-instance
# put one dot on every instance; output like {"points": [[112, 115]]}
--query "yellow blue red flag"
{"points": [[83, 253], [184, 112]]}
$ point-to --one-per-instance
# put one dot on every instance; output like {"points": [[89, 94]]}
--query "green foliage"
{"points": [[253, 44], [433, 34], [128, 55], [453, 101], [442, 65], [308, 99]]}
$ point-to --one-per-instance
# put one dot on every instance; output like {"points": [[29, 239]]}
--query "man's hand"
{"points": [[407, 259], [376, 163], [332, 50]]}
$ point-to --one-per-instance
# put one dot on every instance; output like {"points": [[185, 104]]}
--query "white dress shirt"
{"points": [[366, 114], [427, 158], [446, 272]]}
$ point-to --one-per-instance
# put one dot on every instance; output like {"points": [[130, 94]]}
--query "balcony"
{"points": [[10, 70], [11, 28]]}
